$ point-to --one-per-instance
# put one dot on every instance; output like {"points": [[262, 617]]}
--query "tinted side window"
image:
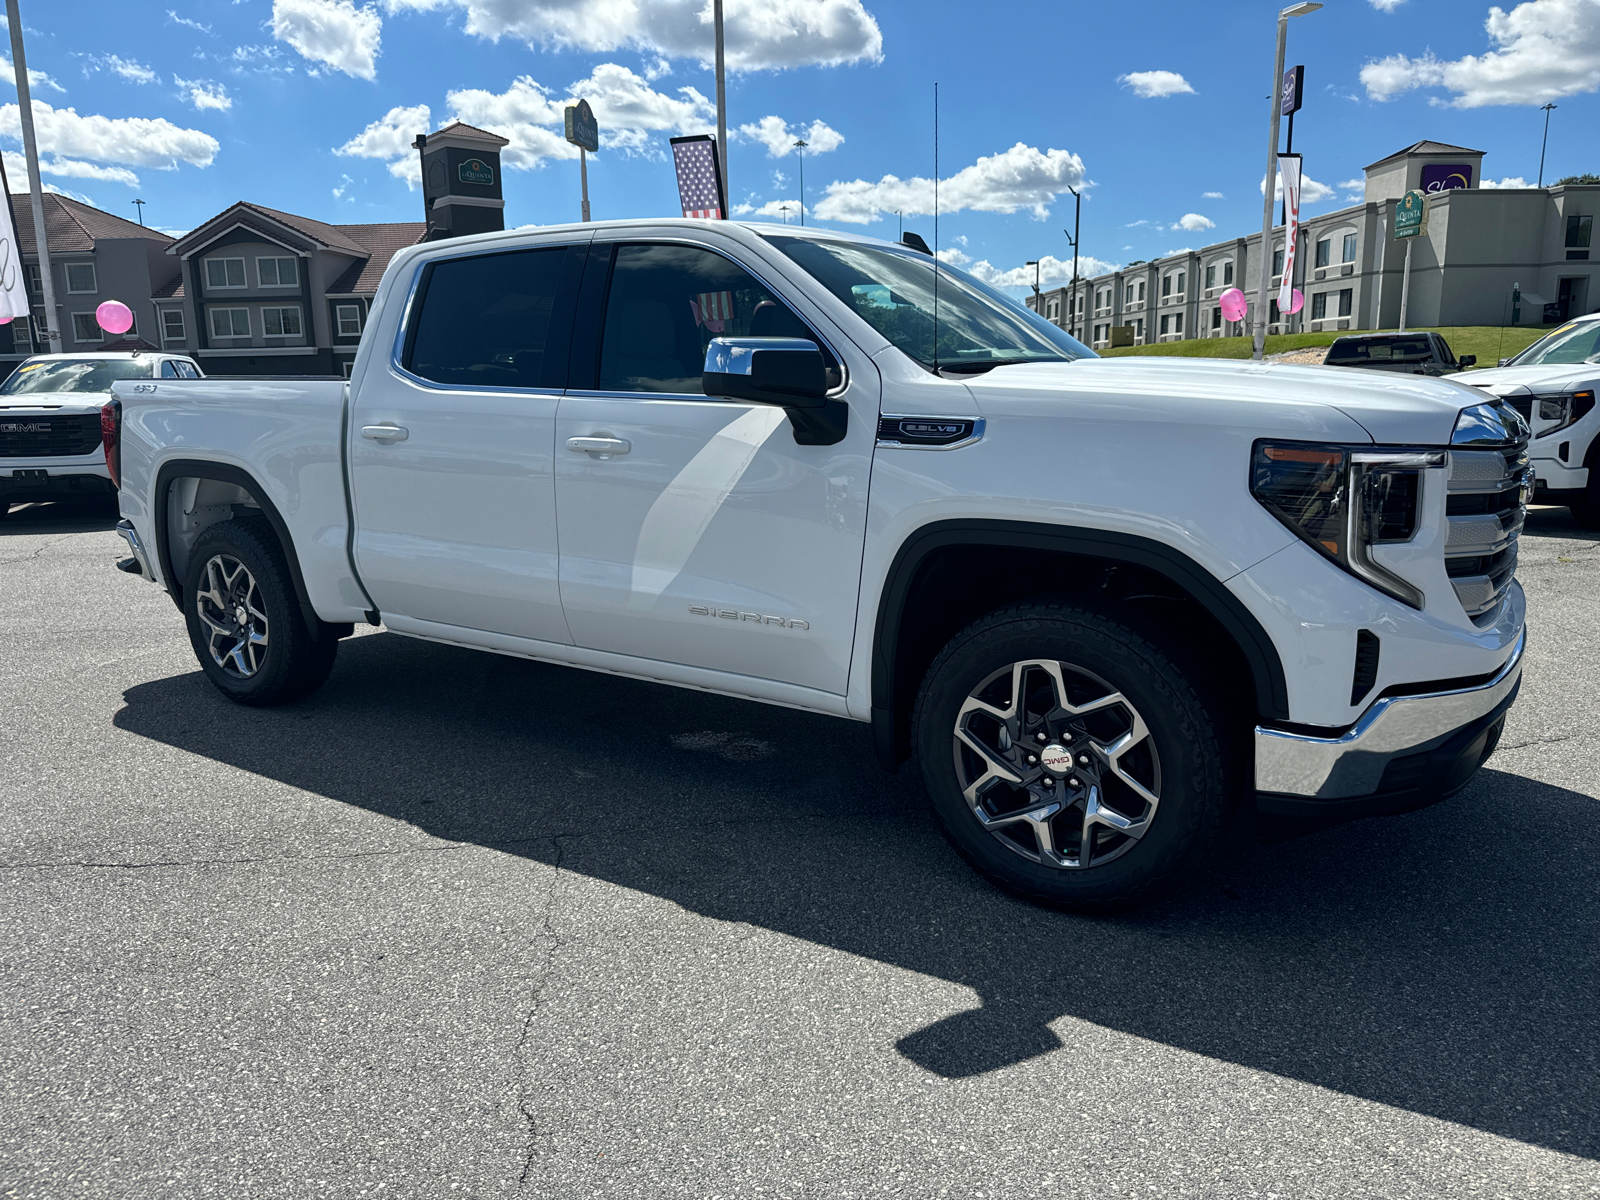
{"points": [[188, 371], [485, 321], [169, 370], [667, 302]]}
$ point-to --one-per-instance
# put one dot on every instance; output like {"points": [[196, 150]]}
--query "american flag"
{"points": [[699, 187], [712, 309]]}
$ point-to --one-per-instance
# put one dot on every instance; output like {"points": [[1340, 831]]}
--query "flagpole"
{"points": [[30, 148], [722, 103]]}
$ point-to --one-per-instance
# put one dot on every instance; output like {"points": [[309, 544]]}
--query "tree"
{"points": [[1578, 179]]}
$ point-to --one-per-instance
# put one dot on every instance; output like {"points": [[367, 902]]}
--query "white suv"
{"points": [[1552, 384]]}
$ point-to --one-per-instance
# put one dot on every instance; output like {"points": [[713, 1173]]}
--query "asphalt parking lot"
{"points": [[463, 925]]}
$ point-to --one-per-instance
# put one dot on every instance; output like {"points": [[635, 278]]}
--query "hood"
{"points": [[1526, 381], [1390, 408], [61, 402]]}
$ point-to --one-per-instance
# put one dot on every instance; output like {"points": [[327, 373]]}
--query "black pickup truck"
{"points": [[1409, 353]]}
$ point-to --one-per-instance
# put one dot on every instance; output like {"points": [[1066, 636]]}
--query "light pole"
{"points": [[722, 105], [1037, 306], [1547, 108], [140, 210], [800, 144], [1072, 296], [1294, 10], [30, 148]]}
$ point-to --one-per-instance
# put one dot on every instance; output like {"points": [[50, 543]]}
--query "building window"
{"points": [[1166, 286], [1141, 291], [1324, 252], [85, 328], [1166, 324], [278, 272], [281, 322], [225, 273], [1319, 306], [1138, 328], [1128, 299], [230, 322], [349, 318], [172, 324], [347, 367], [1211, 276], [35, 280], [1177, 324], [1227, 273], [1346, 301], [1182, 286], [1216, 318], [1579, 231], [1277, 261], [1349, 248], [1272, 313], [80, 278]]}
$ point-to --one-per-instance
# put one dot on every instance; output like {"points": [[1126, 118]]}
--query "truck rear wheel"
{"points": [[245, 622], [1071, 758]]}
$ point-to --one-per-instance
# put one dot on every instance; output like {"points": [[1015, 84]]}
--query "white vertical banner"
{"points": [[13, 282], [1289, 171]]}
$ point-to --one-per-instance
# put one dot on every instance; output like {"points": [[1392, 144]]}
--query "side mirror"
{"points": [[1467, 360], [788, 372]]}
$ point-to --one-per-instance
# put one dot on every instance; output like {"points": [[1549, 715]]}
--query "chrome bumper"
{"points": [[127, 533], [1351, 765]]}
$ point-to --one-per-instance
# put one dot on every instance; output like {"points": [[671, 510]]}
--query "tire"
{"points": [[1156, 804], [237, 570]]}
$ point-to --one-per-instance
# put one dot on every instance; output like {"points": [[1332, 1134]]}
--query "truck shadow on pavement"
{"points": [[59, 516], [1443, 962]]}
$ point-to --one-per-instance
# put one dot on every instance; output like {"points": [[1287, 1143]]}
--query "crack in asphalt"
{"points": [[536, 999], [1537, 742], [35, 554]]}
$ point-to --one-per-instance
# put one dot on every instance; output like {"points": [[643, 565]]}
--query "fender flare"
{"points": [[196, 468], [1266, 667]]}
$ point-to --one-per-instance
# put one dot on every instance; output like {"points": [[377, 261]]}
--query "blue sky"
{"points": [[1158, 109]]}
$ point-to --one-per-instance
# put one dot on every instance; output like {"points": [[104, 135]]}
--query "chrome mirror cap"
{"points": [[737, 355]]}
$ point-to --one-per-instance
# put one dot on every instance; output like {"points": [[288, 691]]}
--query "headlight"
{"points": [[1564, 410], [1345, 500]]}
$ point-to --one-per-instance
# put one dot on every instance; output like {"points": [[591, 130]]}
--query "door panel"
{"points": [[714, 540], [455, 520]]}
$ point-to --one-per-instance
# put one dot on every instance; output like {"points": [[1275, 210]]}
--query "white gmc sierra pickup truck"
{"points": [[1104, 603]]}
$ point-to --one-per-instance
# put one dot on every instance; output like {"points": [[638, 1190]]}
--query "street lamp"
{"points": [[1547, 109], [800, 144], [1294, 10], [1072, 299], [1037, 306]]}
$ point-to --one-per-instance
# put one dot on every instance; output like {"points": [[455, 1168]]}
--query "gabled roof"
{"points": [[74, 226], [462, 129], [172, 289], [269, 222], [1423, 148], [381, 243]]}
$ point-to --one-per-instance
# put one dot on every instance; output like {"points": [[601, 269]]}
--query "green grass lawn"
{"points": [[1490, 343]]}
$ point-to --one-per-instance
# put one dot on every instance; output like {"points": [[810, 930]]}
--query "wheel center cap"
{"points": [[239, 614], [1056, 759]]}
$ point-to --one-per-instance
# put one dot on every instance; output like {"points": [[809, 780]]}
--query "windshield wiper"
{"points": [[972, 368]]}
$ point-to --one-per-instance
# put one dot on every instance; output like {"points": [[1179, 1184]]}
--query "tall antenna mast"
{"points": [[936, 228]]}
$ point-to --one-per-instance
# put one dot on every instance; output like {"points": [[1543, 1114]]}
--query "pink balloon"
{"points": [[1296, 301], [1233, 304], [5, 320], [114, 316]]}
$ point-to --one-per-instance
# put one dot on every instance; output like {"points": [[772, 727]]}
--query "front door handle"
{"points": [[600, 447], [385, 433]]}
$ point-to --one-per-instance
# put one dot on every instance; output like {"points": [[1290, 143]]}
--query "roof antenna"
{"points": [[936, 227]]}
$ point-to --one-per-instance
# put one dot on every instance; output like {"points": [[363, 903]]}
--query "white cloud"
{"points": [[772, 210], [1386, 6], [390, 136], [1311, 192], [760, 34], [133, 72], [175, 19], [1179, 250], [36, 79], [774, 133], [203, 93], [1352, 185], [1194, 223], [344, 186], [1212, 196], [1149, 84], [1510, 181], [1053, 272], [1544, 49], [134, 141], [19, 187], [67, 168], [333, 32], [1021, 177]]}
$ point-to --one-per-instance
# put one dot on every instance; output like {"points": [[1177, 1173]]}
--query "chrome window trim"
{"points": [[397, 350], [978, 426]]}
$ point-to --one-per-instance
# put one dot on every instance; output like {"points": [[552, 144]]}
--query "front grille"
{"points": [[1486, 504], [49, 437], [1523, 405]]}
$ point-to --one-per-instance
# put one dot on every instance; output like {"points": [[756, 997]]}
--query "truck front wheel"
{"points": [[245, 623], [1071, 757]]}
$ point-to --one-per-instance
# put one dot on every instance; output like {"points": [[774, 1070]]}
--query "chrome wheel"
{"points": [[1057, 764], [230, 608]]}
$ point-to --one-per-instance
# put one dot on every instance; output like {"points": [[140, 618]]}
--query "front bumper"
{"points": [[1404, 752], [50, 479]]}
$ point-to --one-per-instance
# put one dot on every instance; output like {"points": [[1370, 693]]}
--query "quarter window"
{"points": [[169, 370], [225, 273], [281, 322], [484, 321], [80, 278], [85, 328], [349, 318], [230, 322], [278, 272], [172, 324], [667, 302]]}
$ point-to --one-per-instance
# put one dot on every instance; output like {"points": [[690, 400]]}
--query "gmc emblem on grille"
{"points": [[17, 427]]}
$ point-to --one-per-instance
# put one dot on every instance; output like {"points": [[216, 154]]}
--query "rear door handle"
{"points": [[385, 433], [601, 447]]}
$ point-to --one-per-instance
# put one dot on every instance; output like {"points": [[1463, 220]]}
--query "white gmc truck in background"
{"points": [[1103, 603]]}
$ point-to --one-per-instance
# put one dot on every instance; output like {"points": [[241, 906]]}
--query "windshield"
{"points": [[893, 291], [1571, 344], [73, 375], [1390, 349]]}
